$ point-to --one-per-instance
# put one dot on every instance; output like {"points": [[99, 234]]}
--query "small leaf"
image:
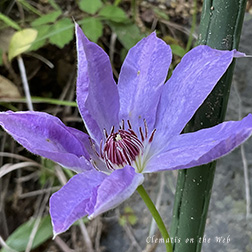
{"points": [[48, 18], [21, 41], [128, 210], [123, 54], [113, 13], [132, 219], [43, 30], [92, 28], [160, 13], [18, 240], [122, 221], [9, 22], [90, 6], [128, 217], [29, 7], [62, 32], [170, 40], [178, 50], [128, 34], [54, 4]]}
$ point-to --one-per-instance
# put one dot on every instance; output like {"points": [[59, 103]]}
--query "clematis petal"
{"points": [[97, 94], [47, 136], [91, 148], [190, 84], [201, 147], [84, 139], [114, 189], [69, 203], [141, 80]]}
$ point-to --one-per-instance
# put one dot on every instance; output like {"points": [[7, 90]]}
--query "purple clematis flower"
{"points": [[134, 127]]}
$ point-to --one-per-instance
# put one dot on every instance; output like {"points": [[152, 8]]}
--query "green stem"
{"points": [[155, 214]]}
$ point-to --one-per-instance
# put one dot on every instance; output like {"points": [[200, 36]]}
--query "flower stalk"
{"points": [[155, 214]]}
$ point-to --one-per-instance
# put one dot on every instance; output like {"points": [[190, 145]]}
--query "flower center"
{"points": [[121, 148]]}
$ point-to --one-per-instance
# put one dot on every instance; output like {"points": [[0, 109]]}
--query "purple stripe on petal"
{"points": [[191, 82], [69, 203], [116, 188], [97, 94], [46, 135], [141, 80], [201, 147]]}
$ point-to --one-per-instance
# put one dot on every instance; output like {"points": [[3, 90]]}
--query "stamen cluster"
{"points": [[123, 147]]}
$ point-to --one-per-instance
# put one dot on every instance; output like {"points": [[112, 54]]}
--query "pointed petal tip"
{"points": [[54, 235], [154, 34], [77, 27], [238, 54], [80, 35]]}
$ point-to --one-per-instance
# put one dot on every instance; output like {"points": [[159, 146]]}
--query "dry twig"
{"points": [[244, 159]]}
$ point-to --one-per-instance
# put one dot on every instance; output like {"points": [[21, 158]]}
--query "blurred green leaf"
{"points": [[132, 219], [54, 4], [113, 13], [48, 18], [117, 2], [122, 221], [44, 175], [160, 13], [128, 216], [21, 41], [41, 37], [92, 28], [90, 6], [62, 32], [123, 54], [178, 50], [1, 57], [9, 22], [29, 7], [18, 240], [128, 34]]}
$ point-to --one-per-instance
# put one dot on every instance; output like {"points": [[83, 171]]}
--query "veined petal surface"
{"points": [[114, 189], [97, 94], [68, 204], [201, 147], [191, 82], [141, 79], [47, 136]]}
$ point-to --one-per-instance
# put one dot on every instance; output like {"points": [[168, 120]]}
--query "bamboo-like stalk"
{"points": [[220, 28]]}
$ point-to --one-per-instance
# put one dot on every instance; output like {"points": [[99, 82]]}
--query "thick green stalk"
{"points": [[220, 28], [155, 214]]}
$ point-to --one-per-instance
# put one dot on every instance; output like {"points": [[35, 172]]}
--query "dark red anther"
{"points": [[152, 136], [121, 148]]}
